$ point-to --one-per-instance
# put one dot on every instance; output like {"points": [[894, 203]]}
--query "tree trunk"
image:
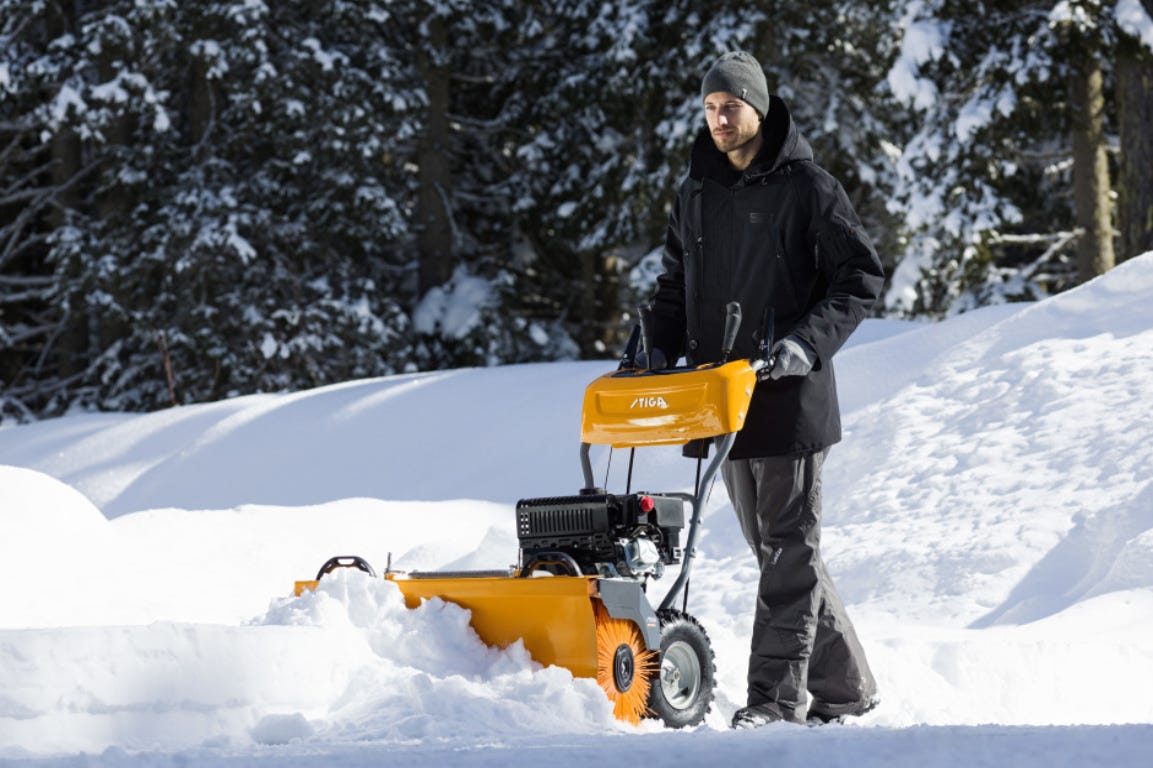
{"points": [[433, 218], [1090, 171], [606, 306], [67, 356], [113, 200], [201, 102], [71, 353], [1135, 173]]}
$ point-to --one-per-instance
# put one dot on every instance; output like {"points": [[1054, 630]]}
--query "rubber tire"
{"points": [[689, 642]]}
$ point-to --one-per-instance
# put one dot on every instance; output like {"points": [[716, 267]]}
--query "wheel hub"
{"points": [[624, 668], [680, 675]]}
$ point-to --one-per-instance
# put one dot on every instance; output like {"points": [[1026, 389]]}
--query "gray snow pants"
{"points": [[802, 636]]}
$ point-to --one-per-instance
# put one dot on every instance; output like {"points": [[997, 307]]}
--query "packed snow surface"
{"points": [[988, 519]]}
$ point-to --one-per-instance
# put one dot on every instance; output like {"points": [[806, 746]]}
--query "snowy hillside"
{"points": [[988, 519]]}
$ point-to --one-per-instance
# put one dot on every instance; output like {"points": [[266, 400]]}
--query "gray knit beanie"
{"points": [[738, 73]]}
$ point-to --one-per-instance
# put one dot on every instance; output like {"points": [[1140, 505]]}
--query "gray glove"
{"points": [[791, 357], [658, 361]]}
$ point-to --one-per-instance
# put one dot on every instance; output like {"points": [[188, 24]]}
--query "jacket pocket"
{"points": [[786, 297]]}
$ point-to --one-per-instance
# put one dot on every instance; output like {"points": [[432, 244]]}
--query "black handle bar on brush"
{"points": [[710, 472], [641, 337]]}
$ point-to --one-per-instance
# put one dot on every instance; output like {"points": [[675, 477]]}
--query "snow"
{"points": [[988, 519], [326, 59], [922, 41], [269, 346], [67, 99], [454, 309], [236, 241], [1132, 17]]}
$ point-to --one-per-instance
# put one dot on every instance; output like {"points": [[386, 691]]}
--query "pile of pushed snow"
{"points": [[425, 674], [349, 663]]}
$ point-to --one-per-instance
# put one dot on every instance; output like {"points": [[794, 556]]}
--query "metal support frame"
{"points": [[625, 599], [587, 467], [723, 449]]}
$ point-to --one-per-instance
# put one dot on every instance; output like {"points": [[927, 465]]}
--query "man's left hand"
{"points": [[791, 357]]}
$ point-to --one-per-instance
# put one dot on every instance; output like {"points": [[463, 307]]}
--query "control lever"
{"points": [[629, 358], [766, 346], [732, 325], [765, 363], [645, 312]]}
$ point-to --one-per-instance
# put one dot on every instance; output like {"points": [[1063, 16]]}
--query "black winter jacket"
{"points": [[782, 235]]}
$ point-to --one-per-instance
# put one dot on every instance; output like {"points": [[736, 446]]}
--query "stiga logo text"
{"points": [[650, 402]]}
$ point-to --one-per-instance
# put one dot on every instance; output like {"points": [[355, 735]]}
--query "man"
{"points": [[758, 222]]}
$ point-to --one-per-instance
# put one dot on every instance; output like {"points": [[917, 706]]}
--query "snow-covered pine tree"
{"points": [[70, 111], [469, 59], [988, 172], [236, 206], [28, 193], [588, 106], [277, 238]]}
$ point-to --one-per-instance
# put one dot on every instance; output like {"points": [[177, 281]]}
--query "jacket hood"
{"points": [[783, 144]]}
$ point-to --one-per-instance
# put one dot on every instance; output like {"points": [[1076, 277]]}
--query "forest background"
{"points": [[200, 200]]}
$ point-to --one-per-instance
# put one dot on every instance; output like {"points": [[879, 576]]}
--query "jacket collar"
{"points": [[783, 144]]}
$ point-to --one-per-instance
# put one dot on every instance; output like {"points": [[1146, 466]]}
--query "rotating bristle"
{"points": [[625, 667]]}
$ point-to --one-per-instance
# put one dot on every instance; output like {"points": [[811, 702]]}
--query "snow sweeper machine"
{"points": [[578, 597]]}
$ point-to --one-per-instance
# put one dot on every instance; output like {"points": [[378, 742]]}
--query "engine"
{"points": [[634, 535]]}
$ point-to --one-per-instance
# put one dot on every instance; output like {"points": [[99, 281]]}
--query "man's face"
{"points": [[732, 122]]}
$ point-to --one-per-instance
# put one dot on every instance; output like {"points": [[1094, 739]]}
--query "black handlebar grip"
{"points": [[767, 332], [629, 358], [732, 325], [645, 312]]}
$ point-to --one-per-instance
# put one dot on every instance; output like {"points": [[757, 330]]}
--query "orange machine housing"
{"points": [[627, 409]]}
